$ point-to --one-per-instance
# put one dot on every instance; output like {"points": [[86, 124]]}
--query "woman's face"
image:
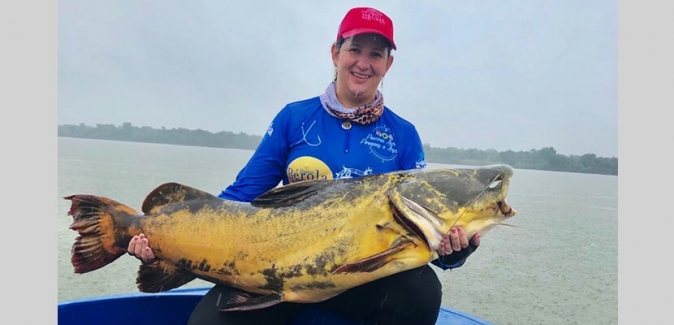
{"points": [[361, 61]]}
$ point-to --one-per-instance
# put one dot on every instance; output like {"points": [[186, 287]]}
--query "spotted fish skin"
{"points": [[304, 242]]}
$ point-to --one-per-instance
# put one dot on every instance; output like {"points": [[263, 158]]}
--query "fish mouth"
{"points": [[507, 210]]}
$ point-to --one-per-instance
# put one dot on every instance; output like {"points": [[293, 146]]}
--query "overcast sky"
{"points": [[489, 74]]}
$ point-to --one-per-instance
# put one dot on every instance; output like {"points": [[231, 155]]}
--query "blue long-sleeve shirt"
{"points": [[304, 142]]}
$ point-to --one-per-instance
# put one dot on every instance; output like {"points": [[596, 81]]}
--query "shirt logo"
{"points": [[307, 168], [352, 172], [381, 144], [421, 161], [270, 129]]}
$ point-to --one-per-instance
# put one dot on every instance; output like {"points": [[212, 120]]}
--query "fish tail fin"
{"points": [[102, 238]]}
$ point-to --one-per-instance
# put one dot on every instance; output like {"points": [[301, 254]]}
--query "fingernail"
{"points": [[453, 230]]}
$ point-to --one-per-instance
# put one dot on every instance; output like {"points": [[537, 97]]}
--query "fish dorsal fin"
{"points": [[171, 193], [288, 195]]}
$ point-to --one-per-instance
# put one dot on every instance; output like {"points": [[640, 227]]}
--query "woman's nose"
{"points": [[363, 62]]}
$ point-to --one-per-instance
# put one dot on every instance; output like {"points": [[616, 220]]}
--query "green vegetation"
{"points": [[543, 159]]}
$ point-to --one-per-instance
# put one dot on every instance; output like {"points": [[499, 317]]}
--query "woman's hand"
{"points": [[139, 247], [455, 240]]}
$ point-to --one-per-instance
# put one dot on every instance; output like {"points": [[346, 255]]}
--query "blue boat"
{"points": [[174, 307]]}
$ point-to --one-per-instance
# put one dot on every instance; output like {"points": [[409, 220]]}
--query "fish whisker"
{"points": [[507, 225]]}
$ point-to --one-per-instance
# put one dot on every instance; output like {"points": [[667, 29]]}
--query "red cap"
{"points": [[366, 20]]}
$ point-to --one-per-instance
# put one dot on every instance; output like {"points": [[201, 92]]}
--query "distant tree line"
{"points": [[128, 132], [542, 159]]}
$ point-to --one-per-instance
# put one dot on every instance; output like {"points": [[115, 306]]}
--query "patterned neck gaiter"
{"points": [[363, 115]]}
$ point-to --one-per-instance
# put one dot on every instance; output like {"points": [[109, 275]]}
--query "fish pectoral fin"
{"points": [[290, 194], [243, 300], [172, 193], [373, 262], [157, 276]]}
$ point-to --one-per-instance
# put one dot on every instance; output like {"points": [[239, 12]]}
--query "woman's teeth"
{"points": [[360, 75]]}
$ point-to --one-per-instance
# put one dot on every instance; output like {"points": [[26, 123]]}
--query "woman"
{"points": [[345, 132]]}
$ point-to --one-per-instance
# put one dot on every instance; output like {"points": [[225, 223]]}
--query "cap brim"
{"points": [[359, 31]]}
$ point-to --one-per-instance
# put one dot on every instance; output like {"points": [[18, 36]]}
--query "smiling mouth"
{"points": [[359, 75]]}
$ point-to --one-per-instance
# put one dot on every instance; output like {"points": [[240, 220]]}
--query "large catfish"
{"points": [[304, 242]]}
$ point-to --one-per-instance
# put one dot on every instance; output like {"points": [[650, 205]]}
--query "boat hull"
{"points": [[174, 307]]}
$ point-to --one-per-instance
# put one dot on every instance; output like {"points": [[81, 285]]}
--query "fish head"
{"points": [[432, 201]]}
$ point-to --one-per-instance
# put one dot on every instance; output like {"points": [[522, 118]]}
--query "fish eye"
{"points": [[496, 182]]}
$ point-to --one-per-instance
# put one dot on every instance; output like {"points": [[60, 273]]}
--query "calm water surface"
{"points": [[559, 265]]}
